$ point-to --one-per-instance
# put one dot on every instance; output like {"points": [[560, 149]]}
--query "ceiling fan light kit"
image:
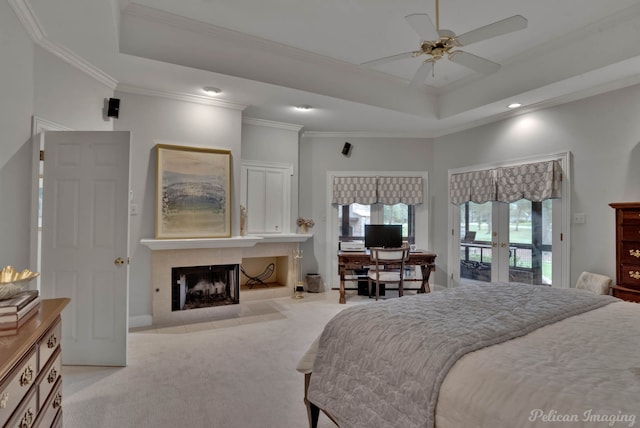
{"points": [[436, 44]]}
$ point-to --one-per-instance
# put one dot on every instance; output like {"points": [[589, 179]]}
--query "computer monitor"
{"points": [[383, 235]]}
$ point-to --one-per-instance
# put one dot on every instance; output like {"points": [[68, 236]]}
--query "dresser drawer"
{"points": [[630, 233], [49, 343], [49, 376], [17, 385], [630, 252], [51, 408], [25, 416], [630, 275], [629, 216]]}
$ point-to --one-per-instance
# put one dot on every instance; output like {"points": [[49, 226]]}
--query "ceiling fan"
{"points": [[436, 44]]}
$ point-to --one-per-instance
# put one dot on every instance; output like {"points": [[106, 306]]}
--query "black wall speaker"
{"points": [[346, 149], [114, 107]]}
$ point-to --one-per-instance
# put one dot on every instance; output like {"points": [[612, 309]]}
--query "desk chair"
{"points": [[387, 266]]}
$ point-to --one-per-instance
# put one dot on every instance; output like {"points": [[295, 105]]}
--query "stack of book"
{"points": [[17, 310]]}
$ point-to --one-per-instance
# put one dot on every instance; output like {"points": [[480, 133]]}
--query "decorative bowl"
{"points": [[12, 281]]}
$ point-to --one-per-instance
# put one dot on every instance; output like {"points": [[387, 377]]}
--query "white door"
{"points": [[85, 234]]}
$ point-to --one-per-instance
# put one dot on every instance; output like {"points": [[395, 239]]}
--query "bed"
{"points": [[497, 355]]}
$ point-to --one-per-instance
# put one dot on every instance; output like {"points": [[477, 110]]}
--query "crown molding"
{"points": [[32, 25], [179, 96], [271, 124], [363, 134]]}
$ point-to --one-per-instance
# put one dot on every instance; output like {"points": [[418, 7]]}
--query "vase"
{"points": [[304, 228]]}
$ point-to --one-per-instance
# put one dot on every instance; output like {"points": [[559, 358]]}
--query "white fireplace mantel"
{"points": [[233, 242]]}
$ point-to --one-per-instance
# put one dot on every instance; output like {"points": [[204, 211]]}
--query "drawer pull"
{"points": [[634, 275], [634, 253], [57, 401], [27, 419], [53, 375], [4, 400], [27, 376], [52, 342]]}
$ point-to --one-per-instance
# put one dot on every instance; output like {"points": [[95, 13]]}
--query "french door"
{"points": [[521, 241], [507, 242]]}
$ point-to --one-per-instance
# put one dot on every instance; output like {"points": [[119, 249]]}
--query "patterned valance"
{"points": [[400, 190], [354, 190], [371, 190], [535, 182], [476, 186]]}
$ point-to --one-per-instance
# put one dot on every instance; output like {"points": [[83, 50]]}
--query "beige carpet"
{"points": [[237, 370]]}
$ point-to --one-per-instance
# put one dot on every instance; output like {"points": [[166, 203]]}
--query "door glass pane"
{"points": [[530, 235], [475, 241], [547, 241], [520, 242]]}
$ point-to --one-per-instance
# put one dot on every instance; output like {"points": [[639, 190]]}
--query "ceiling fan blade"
{"points": [[422, 73], [498, 28], [421, 24], [474, 62], [391, 58]]}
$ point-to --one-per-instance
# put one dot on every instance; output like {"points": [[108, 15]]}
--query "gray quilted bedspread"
{"points": [[382, 364]]}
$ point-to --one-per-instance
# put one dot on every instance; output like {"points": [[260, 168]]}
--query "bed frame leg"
{"points": [[313, 411]]}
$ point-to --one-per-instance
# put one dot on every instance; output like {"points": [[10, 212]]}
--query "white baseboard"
{"points": [[140, 321]]}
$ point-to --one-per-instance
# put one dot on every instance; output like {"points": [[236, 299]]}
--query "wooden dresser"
{"points": [[30, 371], [627, 251]]}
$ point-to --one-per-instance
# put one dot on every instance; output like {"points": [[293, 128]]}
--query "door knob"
{"points": [[119, 261]]}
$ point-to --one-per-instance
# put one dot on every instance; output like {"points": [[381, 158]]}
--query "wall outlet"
{"points": [[579, 218]]}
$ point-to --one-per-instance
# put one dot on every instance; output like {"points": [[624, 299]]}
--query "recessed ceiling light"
{"points": [[210, 90], [304, 107], [514, 105]]}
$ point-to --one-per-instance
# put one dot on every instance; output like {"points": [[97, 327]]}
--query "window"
{"points": [[353, 217]]}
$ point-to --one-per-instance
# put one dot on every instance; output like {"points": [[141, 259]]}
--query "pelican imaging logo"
{"points": [[606, 419]]}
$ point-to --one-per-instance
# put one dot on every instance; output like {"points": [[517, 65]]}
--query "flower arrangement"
{"points": [[304, 224]]}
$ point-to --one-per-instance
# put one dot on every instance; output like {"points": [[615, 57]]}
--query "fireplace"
{"points": [[194, 287], [170, 254]]}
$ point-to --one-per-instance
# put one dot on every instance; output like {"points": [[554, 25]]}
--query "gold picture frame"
{"points": [[193, 192]]}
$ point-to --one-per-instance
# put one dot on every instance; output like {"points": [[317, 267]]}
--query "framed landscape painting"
{"points": [[193, 192]]}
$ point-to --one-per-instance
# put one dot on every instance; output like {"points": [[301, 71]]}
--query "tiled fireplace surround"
{"points": [[169, 253]]}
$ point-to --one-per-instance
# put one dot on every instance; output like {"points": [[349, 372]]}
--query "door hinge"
{"points": [[42, 155], [561, 237], [452, 232]]}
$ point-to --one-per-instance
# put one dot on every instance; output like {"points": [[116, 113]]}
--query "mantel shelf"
{"points": [[233, 242]]}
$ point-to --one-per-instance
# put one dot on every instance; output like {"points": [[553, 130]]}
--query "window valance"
{"points": [[354, 190], [535, 182], [384, 190]]}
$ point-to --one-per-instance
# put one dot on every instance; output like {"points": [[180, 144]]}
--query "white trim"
{"points": [[140, 321], [271, 124], [180, 96], [363, 134], [39, 124], [263, 164], [422, 227], [565, 217], [32, 25]]}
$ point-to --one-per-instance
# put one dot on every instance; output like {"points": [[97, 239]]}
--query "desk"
{"points": [[350, 260]]}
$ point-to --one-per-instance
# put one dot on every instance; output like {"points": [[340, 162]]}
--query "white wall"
{"points": [[273, 143], [602, 133], [319, 155], [16, 107], [155, 120]]}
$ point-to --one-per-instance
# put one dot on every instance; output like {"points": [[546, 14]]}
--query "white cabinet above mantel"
{"points": [[233, 242]]}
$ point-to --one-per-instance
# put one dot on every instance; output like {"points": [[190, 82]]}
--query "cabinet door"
{"points": [[266, 195]]}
